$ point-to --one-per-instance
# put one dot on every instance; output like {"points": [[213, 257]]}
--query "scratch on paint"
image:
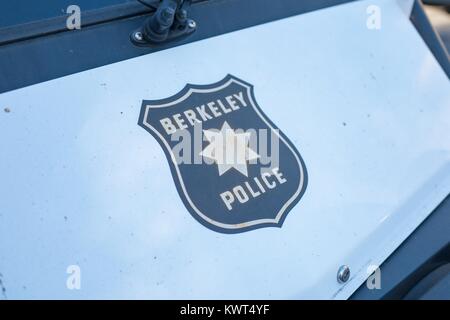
{"points": [[2, 287]]}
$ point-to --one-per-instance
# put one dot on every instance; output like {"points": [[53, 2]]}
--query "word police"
{"points": [[253, 188], [205, 112]]}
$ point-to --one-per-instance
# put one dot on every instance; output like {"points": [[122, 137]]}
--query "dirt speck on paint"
{"points": [[7, 110]]}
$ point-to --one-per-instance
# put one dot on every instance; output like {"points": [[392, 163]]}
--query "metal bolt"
{"points": [[138, 36], [166, 16], [192, 24], [343, 274], [182, 15]]}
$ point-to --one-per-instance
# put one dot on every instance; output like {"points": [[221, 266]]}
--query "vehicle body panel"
{"points": [[83, 184]]}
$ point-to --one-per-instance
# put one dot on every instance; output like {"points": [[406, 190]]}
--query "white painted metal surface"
{"points": [[82, 184]]}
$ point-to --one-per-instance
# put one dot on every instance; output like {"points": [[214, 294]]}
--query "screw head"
{"points": [[343, 274], [138, 36], [192, 24]]}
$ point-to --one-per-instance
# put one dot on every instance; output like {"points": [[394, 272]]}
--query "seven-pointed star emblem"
{"points": [[229, 149]]}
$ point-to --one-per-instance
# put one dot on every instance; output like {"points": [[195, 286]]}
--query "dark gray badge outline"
{"points": [[190, 206]]}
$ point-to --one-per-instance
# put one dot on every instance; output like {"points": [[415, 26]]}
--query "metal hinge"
{"points": [[168, 23]]}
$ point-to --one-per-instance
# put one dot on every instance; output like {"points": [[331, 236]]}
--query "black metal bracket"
{"points": [[168, 23]]}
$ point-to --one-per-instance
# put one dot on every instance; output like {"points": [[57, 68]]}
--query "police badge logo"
{"points": [[233, 168]]}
